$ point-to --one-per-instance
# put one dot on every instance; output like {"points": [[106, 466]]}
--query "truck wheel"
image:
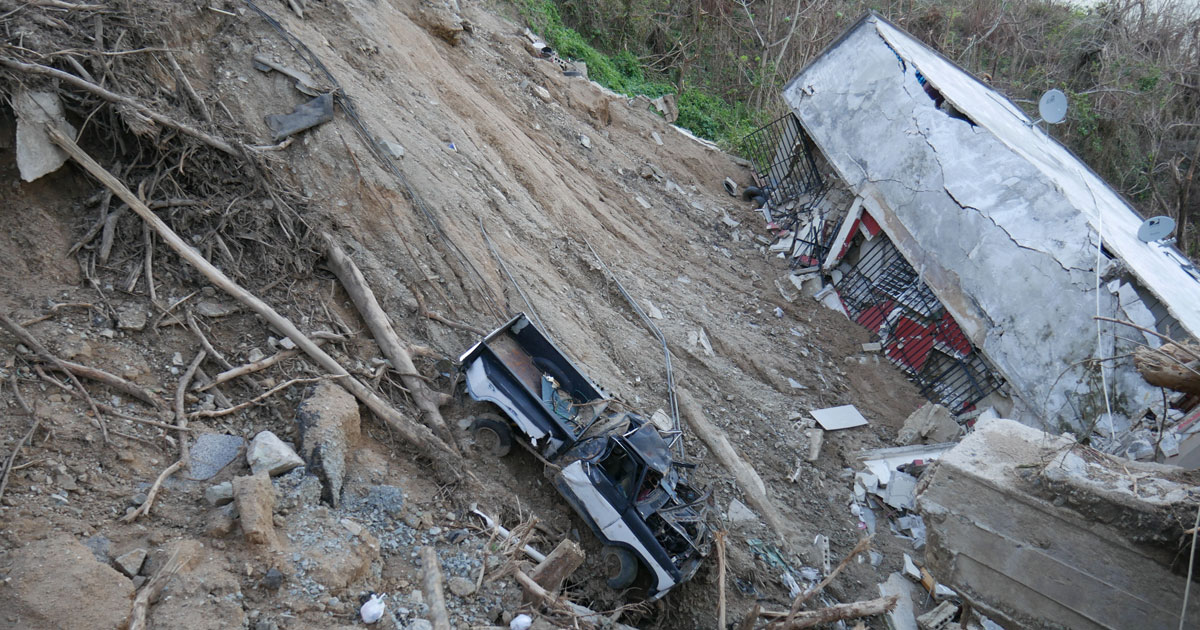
{"points": [[492, 435], [620, 565]]}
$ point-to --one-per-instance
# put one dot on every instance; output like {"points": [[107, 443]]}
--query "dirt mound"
{"points": [[492, 138]]}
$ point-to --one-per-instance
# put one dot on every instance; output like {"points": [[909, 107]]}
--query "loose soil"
{"points": [[481, 147]]}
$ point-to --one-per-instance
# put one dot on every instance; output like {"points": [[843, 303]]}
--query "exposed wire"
{"points": [[674, 403], [504, 267]]}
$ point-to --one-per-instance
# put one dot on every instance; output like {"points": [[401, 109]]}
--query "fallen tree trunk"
{"points": [[431, 582], [446, 460], [745, 476], [1170, 366], [426, 399], [853, 610], [558, 566]]}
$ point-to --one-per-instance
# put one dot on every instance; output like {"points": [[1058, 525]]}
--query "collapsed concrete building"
{"points": [[977, 248], [1036, 531]]}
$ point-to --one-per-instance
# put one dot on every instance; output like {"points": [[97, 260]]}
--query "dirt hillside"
{"points": [[491, 137]]}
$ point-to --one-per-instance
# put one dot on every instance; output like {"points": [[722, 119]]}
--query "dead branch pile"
{"points": [[139, 112], [198, 179]]}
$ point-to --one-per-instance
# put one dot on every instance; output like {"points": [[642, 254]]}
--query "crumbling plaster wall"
{"points": [[1008, 255]]}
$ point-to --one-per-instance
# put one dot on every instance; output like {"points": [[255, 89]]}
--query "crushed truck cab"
{"points": [[613, 466]]}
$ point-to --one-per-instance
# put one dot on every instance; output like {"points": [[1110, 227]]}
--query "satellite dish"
{"points": [[1053, 106], [1156, 229]]}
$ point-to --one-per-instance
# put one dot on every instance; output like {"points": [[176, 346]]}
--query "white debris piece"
{"points": [[37, 154], [739, 513], [834, 418], [372, 611], [520, 622]]}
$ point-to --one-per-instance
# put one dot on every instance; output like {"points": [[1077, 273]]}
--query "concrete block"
{"points": [[1040, 533]]}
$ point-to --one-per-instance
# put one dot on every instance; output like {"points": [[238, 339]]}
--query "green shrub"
{"points": [[701, 111]]}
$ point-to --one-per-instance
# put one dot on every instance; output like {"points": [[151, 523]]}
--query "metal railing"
{"points": [[882, 292], [785, 168]]}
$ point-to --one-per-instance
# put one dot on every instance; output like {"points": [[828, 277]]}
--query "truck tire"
{"points": [[492, 435], [621, 567]]}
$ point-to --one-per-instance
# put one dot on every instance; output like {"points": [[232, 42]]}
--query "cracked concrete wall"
{"points": [[1010, 257]]}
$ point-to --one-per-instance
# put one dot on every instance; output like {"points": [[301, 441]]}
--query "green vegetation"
{"points": [[703, 112]]}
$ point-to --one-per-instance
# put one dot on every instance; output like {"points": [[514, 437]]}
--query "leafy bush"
{"points": [[702, 112]]}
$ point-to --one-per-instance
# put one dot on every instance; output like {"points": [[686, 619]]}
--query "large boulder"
{"points": [[329, 426], [57, 583]]}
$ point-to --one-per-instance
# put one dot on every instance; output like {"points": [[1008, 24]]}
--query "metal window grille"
{"points": [[882, 292], [785, 167]]}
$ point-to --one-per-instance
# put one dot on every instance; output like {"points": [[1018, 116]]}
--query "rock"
{"points": [[268, 453], [219, 494], [138, 499], [254, 355], [287, 344], [542, 93], [273, 580], [329, 426], [460, 586], [131, 316], [220, 522], [212, 452], [99, 545], [394, 149], [213, 308], [657, 138], [37, 155], [57, 583], [130, 563], [642, 202], [930, 423], [255, 501], [739, 513], [419, 624], [585, 141], [666, 106]]}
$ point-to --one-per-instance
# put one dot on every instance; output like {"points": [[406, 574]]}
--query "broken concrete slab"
{"points": [[37, 155], [903, 616], [929, 423], [212, 452], [882, 462], [329, 426], [841, 417], [1031, 527]]}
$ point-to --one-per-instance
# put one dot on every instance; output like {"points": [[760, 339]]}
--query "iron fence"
{"points": [[881, 291], [785, 167]]}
